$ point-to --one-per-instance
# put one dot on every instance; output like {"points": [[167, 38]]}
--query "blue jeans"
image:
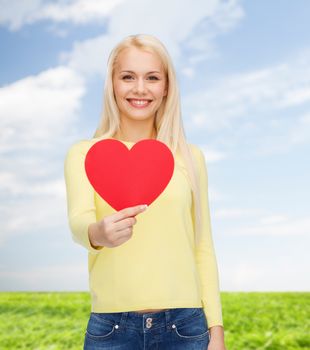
{"points": [[171, 329]]}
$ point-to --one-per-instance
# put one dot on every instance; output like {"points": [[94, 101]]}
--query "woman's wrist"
{"points": [[217, 332], [92, 234]]}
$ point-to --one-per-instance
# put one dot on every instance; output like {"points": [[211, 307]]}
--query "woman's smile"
{"points": [[139, 103]]}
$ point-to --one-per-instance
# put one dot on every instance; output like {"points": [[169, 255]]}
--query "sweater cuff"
{"points": [[213, 319]]}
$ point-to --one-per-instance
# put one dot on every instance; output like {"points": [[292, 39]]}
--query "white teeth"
{"points": [[139, 102]]}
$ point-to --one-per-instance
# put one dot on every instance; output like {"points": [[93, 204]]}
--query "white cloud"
{"points": [[188, 71], [222, 17], [90, 56], [249, 95], [212, 155], [79, 11], [66, 277], [235, 213], [273, 219], [39, 211], [194, 29], [247, 276], [37, 114], [37, 109], [285, 135], [14, 185], [300, 132], [215, 195], [273, 227], [296, 95], [16, 14]]}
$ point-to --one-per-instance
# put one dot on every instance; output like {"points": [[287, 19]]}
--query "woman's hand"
{"points": [[114, 230], [216, 345], [216, 338]]}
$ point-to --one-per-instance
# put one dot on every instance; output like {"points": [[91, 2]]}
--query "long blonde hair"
{"points": [[168, 121]]}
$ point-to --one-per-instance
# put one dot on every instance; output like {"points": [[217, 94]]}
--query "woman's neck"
{"points": [[134, 138]]}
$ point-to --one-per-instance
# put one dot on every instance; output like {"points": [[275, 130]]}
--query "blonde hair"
{"points": [[168, 122]]}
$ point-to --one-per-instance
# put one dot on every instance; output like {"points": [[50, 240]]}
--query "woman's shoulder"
{"points": [[193, 146], [198, 155], [195, 149]]}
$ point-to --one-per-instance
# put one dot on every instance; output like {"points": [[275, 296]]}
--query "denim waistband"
{"points": [[150, 320]]}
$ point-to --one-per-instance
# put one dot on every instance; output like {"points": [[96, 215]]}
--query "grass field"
{"points": [[252, 321]]}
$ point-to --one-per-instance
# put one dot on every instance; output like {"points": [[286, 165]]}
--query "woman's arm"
{"points": [[207, 263], [80, 196]]}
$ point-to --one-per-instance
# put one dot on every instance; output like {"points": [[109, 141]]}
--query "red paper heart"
{"points": [[127, 177]]}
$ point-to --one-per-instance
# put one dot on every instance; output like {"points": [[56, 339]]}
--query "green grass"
{"points": [[57, 321], [271, 321]]}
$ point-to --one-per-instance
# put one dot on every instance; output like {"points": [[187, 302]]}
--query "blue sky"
{"points": [[243, 70]]}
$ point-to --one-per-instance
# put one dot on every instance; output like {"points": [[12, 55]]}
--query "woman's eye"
{"points": [[129, 76]]}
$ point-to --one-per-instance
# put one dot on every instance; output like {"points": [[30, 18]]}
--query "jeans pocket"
{"points": [[193, 328], [99, 327]]}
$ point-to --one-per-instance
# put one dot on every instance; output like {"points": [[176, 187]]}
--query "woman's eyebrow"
{"points": [[130, 71]]}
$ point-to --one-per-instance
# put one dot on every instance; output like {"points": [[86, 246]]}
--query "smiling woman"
{"points": [[141, 299], [139, 89]]}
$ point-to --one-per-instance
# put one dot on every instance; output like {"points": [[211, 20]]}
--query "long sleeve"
{"points": [[205, 255], [80, 195]]}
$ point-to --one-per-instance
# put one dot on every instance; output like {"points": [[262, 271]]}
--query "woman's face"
{"points": [[139, 84]]}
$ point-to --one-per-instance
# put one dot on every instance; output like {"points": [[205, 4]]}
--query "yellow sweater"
{"points": [[159, 266]]}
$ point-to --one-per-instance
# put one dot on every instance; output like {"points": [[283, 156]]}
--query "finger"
{"points": [[121, 240], [124, 234], [128, 212], [125, 223]]}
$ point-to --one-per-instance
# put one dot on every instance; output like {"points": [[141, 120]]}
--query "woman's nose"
{"points": [[140, 85]]}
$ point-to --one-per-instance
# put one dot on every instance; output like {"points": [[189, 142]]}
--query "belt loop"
{"points": [[123, 319], [168, 317]]}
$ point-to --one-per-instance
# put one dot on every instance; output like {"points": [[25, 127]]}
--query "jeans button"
{"points": [[149, 322]]}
